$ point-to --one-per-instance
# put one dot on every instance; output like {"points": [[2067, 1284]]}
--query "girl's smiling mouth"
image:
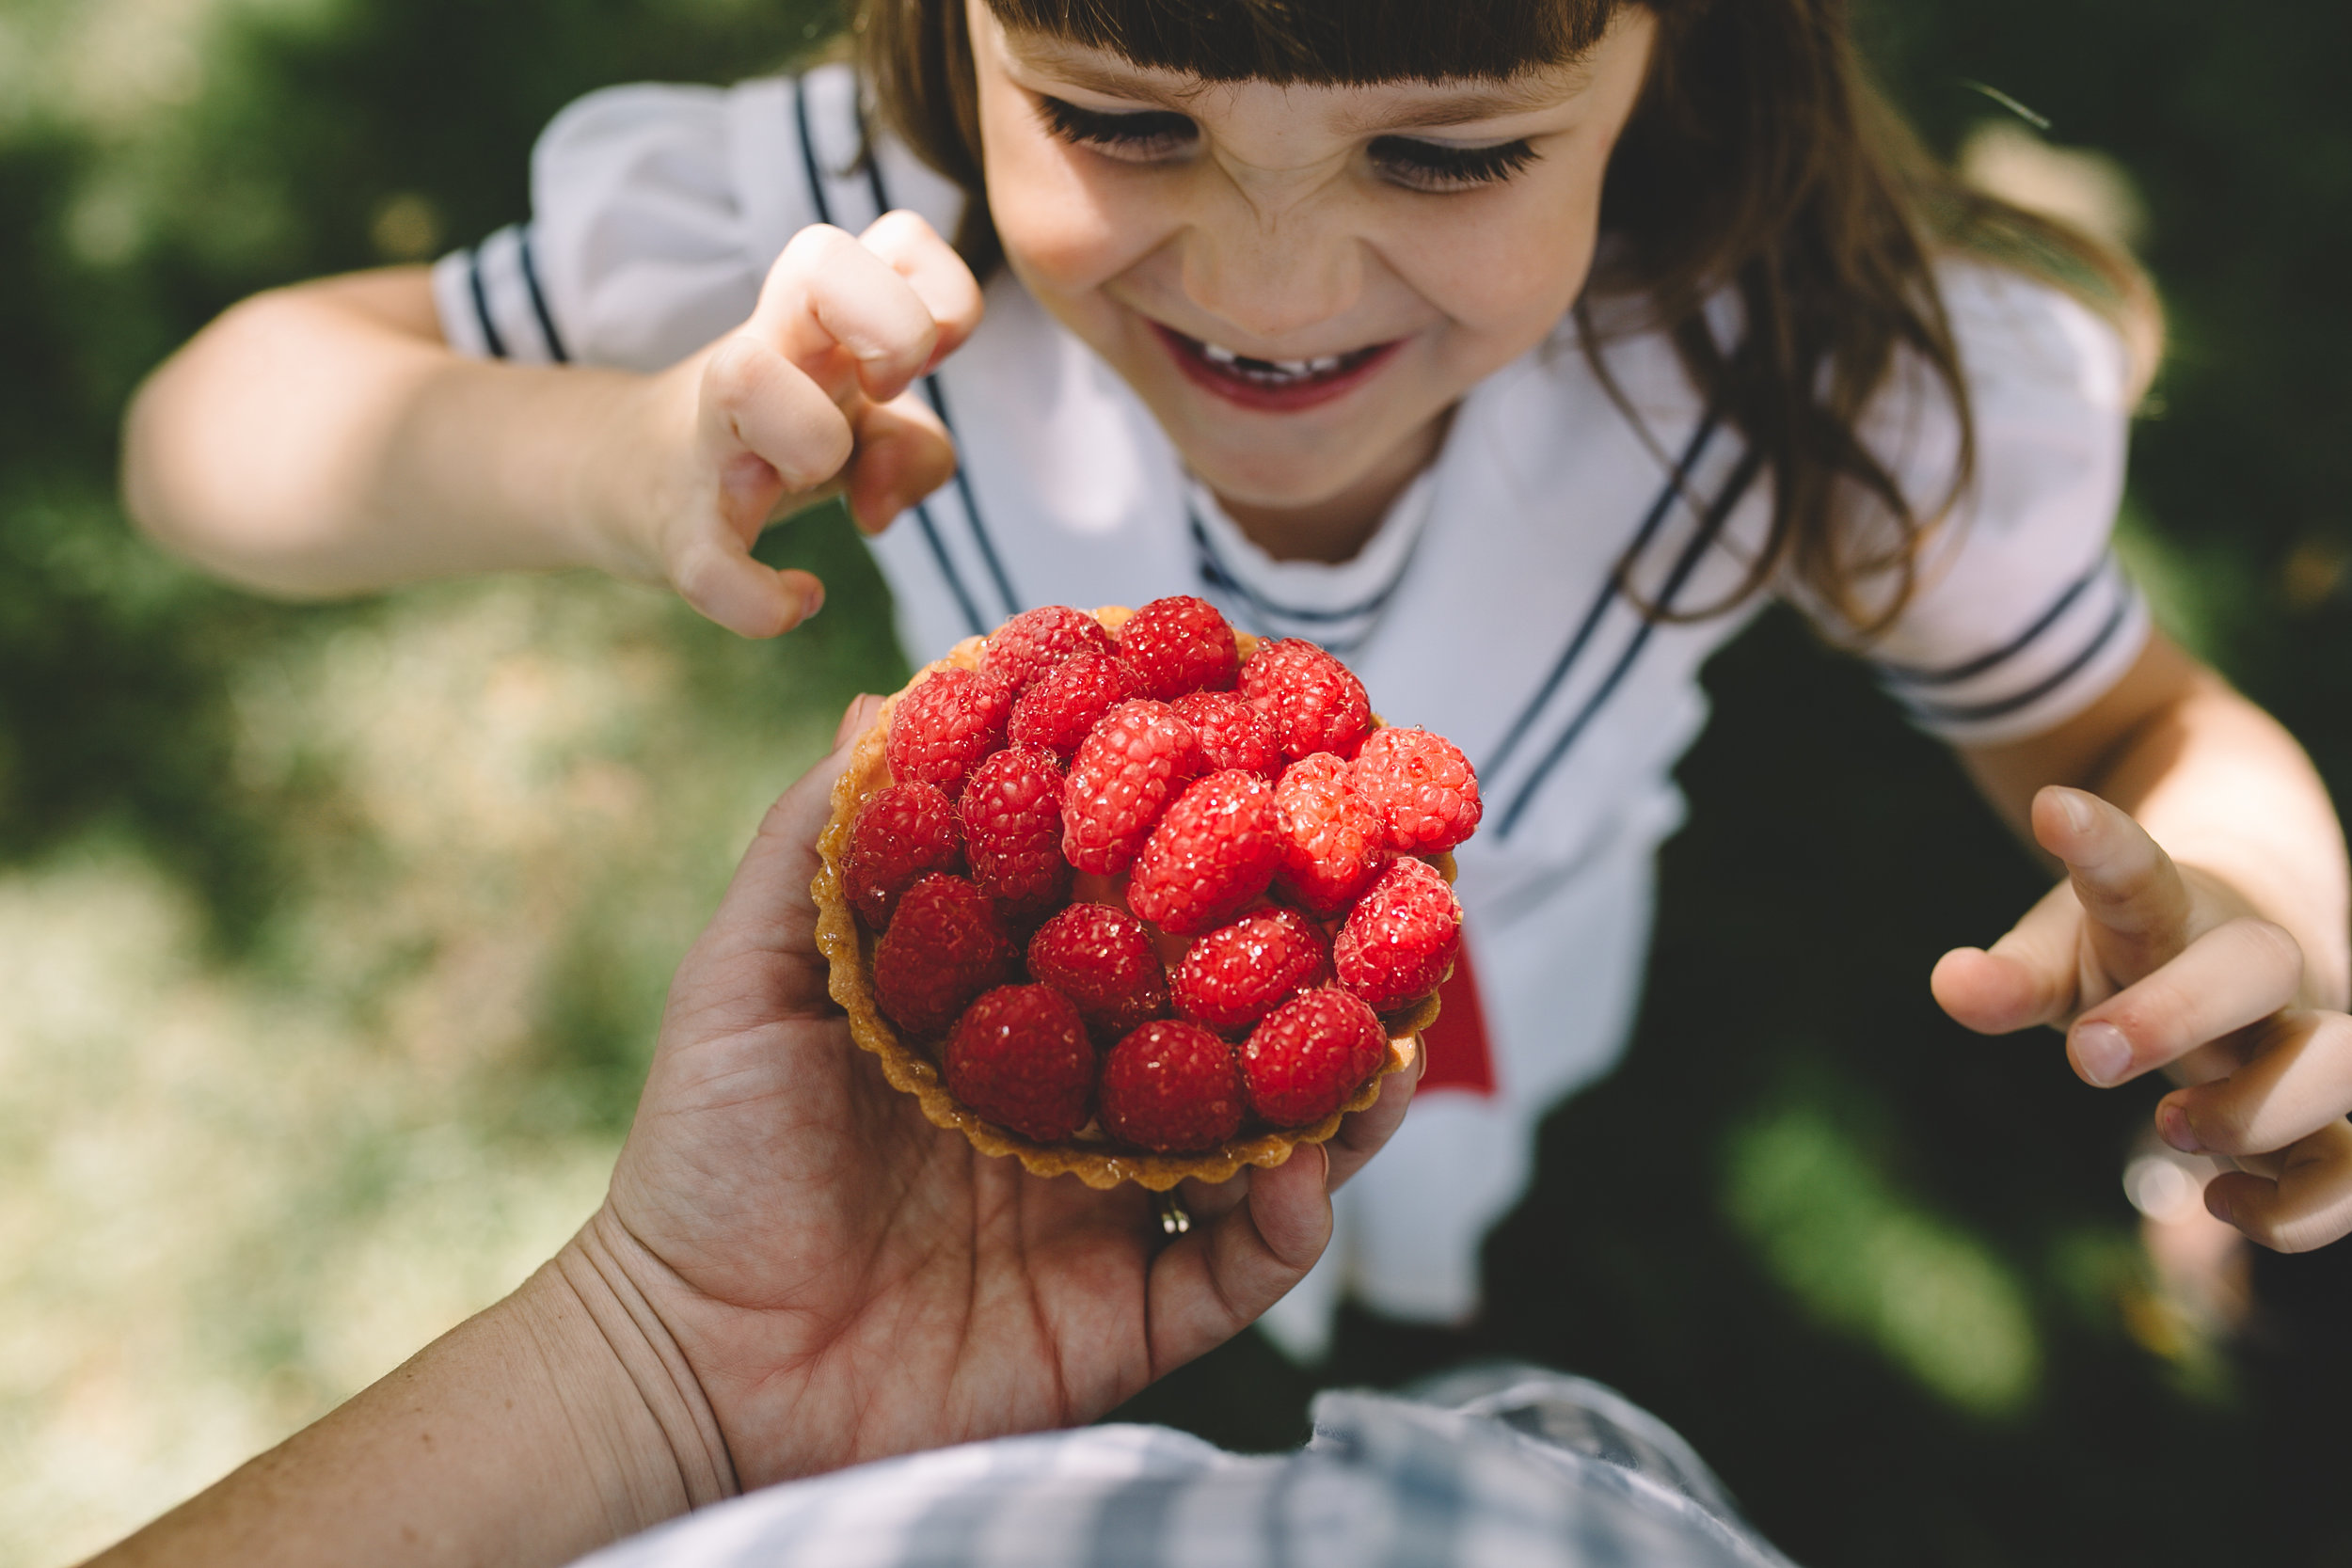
{"points": [[1273, 385]]}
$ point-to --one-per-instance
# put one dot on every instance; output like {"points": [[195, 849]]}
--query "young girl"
{"points": [[1515, 352]]}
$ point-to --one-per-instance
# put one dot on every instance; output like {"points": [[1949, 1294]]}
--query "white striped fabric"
{"points": [[1509, 1468]]}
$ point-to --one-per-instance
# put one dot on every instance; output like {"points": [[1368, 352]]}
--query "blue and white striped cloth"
{"points": [[1501, 1466]]}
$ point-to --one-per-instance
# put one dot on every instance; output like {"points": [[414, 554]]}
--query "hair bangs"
{"points": [[1339, 42]]}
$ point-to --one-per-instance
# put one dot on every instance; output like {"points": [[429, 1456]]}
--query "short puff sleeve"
{"points": [[2020, 616], [655, 211]]}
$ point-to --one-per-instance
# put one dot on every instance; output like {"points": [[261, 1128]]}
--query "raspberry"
{"points": [[1332, 840], [902, 833], [1400, 936], [1317, 702], [1238, 974], [1423, 787], [1131, 765], [1036, 641], [945, 946], [941, 730], [1171, 1085], [1310, 1054], [1012, 815], [1069, 700], [1103, 959], [1213, 851], [1233, 734], [1180, 644], [1020, 1057]]}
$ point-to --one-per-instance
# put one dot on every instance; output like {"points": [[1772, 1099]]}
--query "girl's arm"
{"points": [[323, 440], [2204, 932]]}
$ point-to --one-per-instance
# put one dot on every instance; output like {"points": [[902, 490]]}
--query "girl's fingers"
{"points": [[716, 574], [2231, 978], [755, 404], [2298, 1080], [2032, 976], [2309, 1204], [845, 316], [1209, 1285], [2137, 907], [935, 273], [903, 454]]}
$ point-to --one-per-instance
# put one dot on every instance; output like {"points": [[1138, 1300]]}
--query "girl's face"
{"points": [[1300, 280]]}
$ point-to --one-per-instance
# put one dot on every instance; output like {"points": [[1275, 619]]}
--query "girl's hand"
{"points": [[2147, 964], [842, 1279], [807, 398]]}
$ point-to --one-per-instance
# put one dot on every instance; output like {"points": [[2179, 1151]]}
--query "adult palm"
{"points": [[843, 1280]]}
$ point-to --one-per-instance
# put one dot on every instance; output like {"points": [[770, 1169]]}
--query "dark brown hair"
{"points": [[1760, 160]]}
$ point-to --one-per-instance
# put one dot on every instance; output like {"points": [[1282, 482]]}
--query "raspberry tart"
{"points": [[1135, 897]]}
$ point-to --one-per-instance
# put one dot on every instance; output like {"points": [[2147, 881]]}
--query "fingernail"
{"points": [[2077, 814], [2173, 1128], [2102, 1052], [815, 601]]}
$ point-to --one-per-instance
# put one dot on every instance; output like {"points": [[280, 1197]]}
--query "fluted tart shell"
{"points": [[1092, 1156]]}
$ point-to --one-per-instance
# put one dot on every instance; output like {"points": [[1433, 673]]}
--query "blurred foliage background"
{"points": [[332, 937]]}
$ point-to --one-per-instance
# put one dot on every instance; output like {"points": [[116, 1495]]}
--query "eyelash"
{"points": [[1427, 166], [1419, 166], [1141, 136]]}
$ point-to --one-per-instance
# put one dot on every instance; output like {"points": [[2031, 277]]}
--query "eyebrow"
{"points": [[1489, 101]]}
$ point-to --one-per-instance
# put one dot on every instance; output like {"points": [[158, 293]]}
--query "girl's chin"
{"points": [[1271, 483]]}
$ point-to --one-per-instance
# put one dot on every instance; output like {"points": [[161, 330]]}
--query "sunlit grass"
{"points": [[232, 1192], [1864, 1257]]}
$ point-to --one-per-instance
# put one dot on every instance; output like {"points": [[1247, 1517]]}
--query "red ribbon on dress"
{"points": [[1459, 1057]]}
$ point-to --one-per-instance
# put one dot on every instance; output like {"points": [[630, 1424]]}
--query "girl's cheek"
{"points": [[1076, 233]]}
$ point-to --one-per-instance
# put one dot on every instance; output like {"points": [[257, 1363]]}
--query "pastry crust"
{"points": [[1090, 1157]]}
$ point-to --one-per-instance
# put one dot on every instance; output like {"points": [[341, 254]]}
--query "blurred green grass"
{"points": [[332, 937]]}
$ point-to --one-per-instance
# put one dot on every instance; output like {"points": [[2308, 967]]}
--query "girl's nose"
{"points": [[1273, 274]]}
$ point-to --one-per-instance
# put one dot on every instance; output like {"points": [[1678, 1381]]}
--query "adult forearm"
{"points": [[323, 440], [533, 1432]]}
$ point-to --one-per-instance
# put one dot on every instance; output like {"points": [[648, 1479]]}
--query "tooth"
{"points": [[1292, 367], [1222, 356], [1324, 364]]}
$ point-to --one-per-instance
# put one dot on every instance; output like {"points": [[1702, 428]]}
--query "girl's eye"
{"points": [[1427, 166], [1139, 135]]}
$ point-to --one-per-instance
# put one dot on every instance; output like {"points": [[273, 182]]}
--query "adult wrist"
{"points": [[644, 1427]]}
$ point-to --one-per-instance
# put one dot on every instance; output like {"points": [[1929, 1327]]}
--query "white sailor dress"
{"points": [[1500, 602]]}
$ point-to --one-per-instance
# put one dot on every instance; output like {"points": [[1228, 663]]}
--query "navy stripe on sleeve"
{"points": [[1717, 514], [490, 338], [1667, 494], [538, 299], [1974, 713], [1896, 674]]}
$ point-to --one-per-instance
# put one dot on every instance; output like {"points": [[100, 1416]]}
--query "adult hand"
{"points": [[793, 1269], [2147, 964], [842, 1279], [807, 398]]}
